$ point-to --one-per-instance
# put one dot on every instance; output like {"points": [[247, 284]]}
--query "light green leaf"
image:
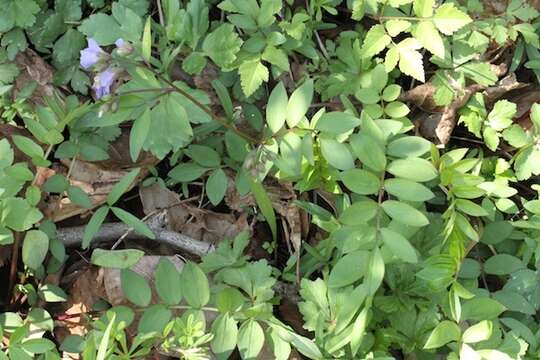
{"points": [[478, 332], [445, 332], [138, 134], [265, 205], [252, 74], [423, 8], [407, 190], [375, 42], [225, 333], [349, 269], [337, 154], [410, 59], [336, 123], [146, 42], [35, 247], [222, 45], [276, 109], [404, 213], [167, 282], [426, 33], [361, 181], [414, 169], [448, 19], [399, 245], [250, 340], [299, 103]]}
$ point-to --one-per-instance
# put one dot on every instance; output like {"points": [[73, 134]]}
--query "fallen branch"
{"points": [[110, 232]]}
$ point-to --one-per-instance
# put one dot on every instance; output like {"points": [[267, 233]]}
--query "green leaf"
{"points": [[407, 190], [369, 151], [133, 222], [250, 340], [375, 42], [410, 59], [67, 48], [448, 19], [503, 264], [399, 245], [195, 287], [396, 27], [265, 205], [194, 63], [404, 213], [358, 212], [15, 42], [79, 197], [35, 247], [423, 8], [146, 42], [216, 186], [203, 155], [93, 225], [38, 346], [119, 259], [225, 333], [413, 169], [56, 184], [478, 332], [426, 33], [167, 282], [299, 103], [8, 73], [104, 343], [187, 172], [396, 109], [481, 308], [337, 154], [28, 146], [276, 109], [349, 269], [73, 344], [470, 208], [361, 181], [445, 332], [501, 116], [496, 232], [408, 146], [102, 28], [52, 293], [154, 319], [19, 13], [138, 134], [135, 288], [335, 123], [122, 186], [222, 45], [252, 74], [375, 272]]}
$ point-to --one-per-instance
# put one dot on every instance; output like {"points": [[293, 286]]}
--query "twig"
{"points": [[72, 236]]}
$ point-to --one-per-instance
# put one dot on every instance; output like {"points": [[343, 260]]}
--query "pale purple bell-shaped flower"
{"points": [[91, 55], [103, 82]]}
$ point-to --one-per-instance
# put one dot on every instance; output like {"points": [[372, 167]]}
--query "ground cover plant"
{"points": [[267, 179]]}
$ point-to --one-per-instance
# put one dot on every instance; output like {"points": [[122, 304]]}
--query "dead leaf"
{"points": [[33, 68], [197, 223]]}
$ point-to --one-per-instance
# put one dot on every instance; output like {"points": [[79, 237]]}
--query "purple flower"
{"points": [[92, 54], [123, 47], [103, 82]]}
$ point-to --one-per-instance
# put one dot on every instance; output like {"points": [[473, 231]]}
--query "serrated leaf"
{"points": [[222, 45], [410, 59], [426, 33], [376, 40], [449, 19], [252, 74]]}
